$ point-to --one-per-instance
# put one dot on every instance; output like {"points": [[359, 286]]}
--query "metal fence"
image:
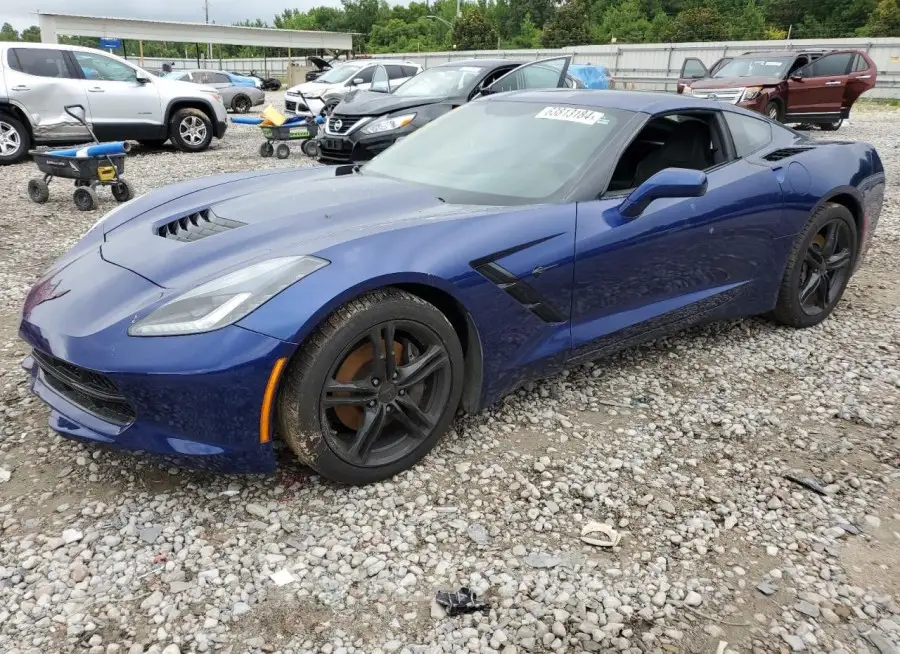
{"points": [[649, 66]]}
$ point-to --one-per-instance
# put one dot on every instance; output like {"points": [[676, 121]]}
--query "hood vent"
{"points": [[784, 153], [197, 225]]}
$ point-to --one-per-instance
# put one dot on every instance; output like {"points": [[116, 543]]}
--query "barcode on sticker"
{"points": [[571, 114]]}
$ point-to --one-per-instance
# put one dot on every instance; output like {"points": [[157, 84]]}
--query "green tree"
{"points": [[32, 34], [473, 31], [570, 25], [626, 23], [8, 33], [698, 24], [529, 36], [660, 28], [750, 24], [885, 20]]}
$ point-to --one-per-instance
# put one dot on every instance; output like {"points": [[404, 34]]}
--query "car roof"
{"points": [[365, 62], [480, 63], [648, 102]]}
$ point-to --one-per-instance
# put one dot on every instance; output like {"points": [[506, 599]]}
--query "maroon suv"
{"points": [[809, 86]]}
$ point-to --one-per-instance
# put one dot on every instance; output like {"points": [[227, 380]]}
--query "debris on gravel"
{"points": [[680, 446]]}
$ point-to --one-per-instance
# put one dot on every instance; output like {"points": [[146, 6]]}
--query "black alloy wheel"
{"points": [[241, 104], [826, 267], [381, 411], [818, 267], [373, 389]]}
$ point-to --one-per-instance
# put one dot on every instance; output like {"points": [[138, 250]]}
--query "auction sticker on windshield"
{"points": [[573, 115]]}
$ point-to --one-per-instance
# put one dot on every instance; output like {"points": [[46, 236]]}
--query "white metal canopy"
{"points": [[52, 25]]}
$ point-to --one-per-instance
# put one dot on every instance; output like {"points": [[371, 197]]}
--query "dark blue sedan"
{"points": [[350, 311]]}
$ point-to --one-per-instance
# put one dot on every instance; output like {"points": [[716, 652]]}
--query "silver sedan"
{"points": [[236, 98]]}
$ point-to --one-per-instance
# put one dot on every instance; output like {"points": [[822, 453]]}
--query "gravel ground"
{"points": [[681, 446]]}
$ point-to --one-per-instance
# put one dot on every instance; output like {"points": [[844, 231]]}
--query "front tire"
{"points": [[773, 111], [190, 130], [240, 104], [819, 267], [85, 198], [38, 190], [356, 415], [15, 141]]}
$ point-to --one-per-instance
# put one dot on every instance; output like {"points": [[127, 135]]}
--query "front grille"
{"points": [[197, 225], [731, 96], [92, 391], [290, 105], [338, 124]]}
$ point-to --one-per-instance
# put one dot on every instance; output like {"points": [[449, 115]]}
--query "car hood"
{"points": [[319, 63], [258, 216], [370, 103], [313, 88], [733, 82]]}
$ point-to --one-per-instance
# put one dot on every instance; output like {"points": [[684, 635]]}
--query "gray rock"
{"points": [[150, 534], [542, 560], [806, 608], [478, 534], [796, 643], [693, 598]]}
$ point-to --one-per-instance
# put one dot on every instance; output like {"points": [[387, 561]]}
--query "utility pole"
{"points": [[208, 45]]}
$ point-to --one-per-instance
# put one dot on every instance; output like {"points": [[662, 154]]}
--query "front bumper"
{"points": [[195, 400], [221, 128], [294, 105], [357, 147], [757, 104]]}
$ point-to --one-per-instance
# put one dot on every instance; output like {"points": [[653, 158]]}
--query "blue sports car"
{"points": [[351, 310]]}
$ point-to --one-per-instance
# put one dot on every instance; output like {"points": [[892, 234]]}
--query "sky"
{"points": [[21, 13]]}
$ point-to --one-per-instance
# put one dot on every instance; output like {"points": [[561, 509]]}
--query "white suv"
{"points": [[327, 90], [120, 100]]}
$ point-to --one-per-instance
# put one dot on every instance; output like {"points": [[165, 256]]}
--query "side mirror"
{"points": [[797, 76], [356, 81], [668, 183], [141, 79]]}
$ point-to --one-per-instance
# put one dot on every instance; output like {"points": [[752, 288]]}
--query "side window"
{"points": [[410, 71], [40, 62], [749, 134], [799, 63], [98, 67], [537, 75], [861, 64], [831, 65], [365, 75], [693, 69], [220, 78], [394, 71]]}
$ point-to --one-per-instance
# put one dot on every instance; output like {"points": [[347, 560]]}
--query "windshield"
{"points": [[339, 74], [755, 67], [439, 82], [477, 151]]}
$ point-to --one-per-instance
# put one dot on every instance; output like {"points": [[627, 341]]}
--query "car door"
{"points": [[42, 83], [691, 69], [362, 80], [861, 78], [121, 106], [817, 90], [381, 80], [681, 260], [541, 74]]}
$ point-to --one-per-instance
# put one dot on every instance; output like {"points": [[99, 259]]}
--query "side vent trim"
{"points": [[196, 226], [784, 153]]}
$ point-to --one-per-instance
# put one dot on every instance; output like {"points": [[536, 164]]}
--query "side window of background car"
{"points": [[694, 68], [38, 61], [220, 78], [410, 71], [861, 64], [395, 72], [749, 134], [365, 75], [98, 67], [831, 65]]}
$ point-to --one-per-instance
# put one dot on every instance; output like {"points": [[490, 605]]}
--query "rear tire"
{"points": [[85, 198], [310, 148], [831, 127], [122, 190], [266, 150], [15, 141], [812, 260], [38, 190], [282, 151], [190, 130], [405, 403]]}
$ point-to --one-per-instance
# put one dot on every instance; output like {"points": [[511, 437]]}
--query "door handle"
{"points": [[20, 87], [834, 83], [863, 77], [96, 89], [537, 271]]}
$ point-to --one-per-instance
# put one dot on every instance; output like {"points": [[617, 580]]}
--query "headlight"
{"points": [[687, 90], [751, 92], [257, 83], [222, 301], [291, 93], [214, 95], [387, 124]]}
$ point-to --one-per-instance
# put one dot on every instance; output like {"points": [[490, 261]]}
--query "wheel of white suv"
{"points": [[15, 141], [190, 130]]}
